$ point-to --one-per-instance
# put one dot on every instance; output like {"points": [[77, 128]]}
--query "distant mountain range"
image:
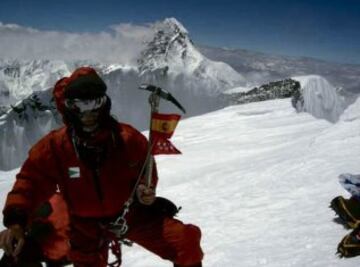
{"points": [[260, 68]]}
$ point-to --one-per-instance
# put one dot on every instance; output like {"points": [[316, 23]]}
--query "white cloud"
{"points": [[120, 43]]}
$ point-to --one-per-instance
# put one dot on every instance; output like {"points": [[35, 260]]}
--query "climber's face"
{"points": [[87, 111]]}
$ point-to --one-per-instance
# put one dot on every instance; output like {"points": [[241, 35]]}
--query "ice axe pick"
{"points": [[157, 92]]}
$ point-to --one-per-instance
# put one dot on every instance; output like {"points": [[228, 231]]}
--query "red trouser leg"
{"points": [[88, 248], [168, 238]]}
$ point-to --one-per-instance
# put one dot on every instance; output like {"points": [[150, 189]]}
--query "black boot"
{"points": [[350, 245], [348, 211]]}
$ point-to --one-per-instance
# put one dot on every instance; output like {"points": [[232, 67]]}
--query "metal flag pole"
{"points": [[154, 100]]}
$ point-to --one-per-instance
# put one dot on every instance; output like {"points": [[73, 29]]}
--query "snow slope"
{"points": [[257, 178]]}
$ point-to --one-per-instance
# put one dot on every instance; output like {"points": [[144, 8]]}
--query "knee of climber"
{"points": [[190, 252]]}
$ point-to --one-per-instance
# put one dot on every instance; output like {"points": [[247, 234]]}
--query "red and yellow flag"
{"points": [[162, 128]]}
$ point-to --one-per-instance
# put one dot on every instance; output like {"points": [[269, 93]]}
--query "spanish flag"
{"points": [[162, 128]]}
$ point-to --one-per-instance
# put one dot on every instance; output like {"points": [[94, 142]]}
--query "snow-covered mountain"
{"points": [[169, 60], [19, 78], [23, 125], [172, 53], [257, 178]]}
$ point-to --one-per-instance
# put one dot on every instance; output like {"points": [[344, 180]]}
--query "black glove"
{"points": [[164, 207]]}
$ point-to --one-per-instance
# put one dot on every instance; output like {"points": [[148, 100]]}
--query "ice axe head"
{"points": [[162, 94]]}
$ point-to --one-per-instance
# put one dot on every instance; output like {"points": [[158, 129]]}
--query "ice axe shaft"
{"points": [[154, 99]]}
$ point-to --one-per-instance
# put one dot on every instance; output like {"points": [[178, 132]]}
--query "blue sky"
{"points": [[325, 29]]}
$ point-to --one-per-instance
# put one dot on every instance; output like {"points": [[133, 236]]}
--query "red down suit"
{"points": [[53, 165]]}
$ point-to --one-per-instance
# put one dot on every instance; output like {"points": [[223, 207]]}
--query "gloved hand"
{"points": [[350, 245], [146, 195], [12, 240]]}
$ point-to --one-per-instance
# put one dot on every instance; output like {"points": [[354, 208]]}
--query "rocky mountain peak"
{"points": [[170, 48]]}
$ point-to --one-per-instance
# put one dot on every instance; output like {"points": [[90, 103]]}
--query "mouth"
{"points": [[89, 119]]}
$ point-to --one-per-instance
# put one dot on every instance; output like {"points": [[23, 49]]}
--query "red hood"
{"points": [[60, 86], [58, 93]]}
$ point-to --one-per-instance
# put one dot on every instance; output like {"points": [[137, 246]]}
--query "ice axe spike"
{"points": [[162, 94]]}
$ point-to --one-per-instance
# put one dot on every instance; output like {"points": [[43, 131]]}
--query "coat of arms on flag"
{"points": [[162, 128]]}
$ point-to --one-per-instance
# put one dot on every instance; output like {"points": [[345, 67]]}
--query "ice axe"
{"points": [[154, 99]]}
